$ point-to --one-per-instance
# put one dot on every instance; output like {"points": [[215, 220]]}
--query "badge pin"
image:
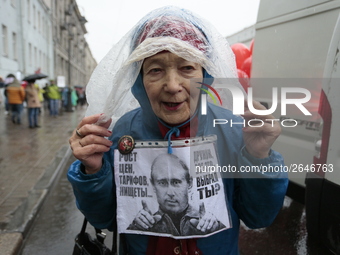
{"points": [[126, 144]]}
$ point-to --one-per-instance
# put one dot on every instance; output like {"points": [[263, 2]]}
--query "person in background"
{"points": [[15, 94], [54, 98], [2, 90], [33, 104], [82, 97], [74, 98], [46, 99], [41, 96]]}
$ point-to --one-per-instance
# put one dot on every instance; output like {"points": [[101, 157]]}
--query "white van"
{"points": [[297, 43]]}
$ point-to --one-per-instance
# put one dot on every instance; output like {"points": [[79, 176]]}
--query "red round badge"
{"points": [[126, 144]]}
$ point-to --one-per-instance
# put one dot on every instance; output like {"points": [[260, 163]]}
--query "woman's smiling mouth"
{"points": [[172, 106]]}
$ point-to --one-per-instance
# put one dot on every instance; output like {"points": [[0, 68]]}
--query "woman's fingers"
{"points": [[93, 119], [94, 139], [92, 129], [88, 126], [88, 142], [83, 152]]}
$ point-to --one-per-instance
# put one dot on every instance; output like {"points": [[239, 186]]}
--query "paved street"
{"points": [[58, 222], [30, 159]]}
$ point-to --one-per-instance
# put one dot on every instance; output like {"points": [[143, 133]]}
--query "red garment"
{"points": [[169, 246], [187, 130], [166, 245], [174, 27]]}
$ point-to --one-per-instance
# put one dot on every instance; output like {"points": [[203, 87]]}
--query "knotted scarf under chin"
{"points": [[185, 130]]}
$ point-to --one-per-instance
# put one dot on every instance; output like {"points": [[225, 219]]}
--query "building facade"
{"points": [[71, 50], [46, 36], [26, 44]]}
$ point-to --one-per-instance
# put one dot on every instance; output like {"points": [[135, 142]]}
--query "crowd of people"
{"points": [[16, 96]]}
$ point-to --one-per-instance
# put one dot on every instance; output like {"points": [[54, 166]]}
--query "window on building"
{"points": [[44, 61], [30, 54], [35, 63], [61, 63], [48, 64], [56, 8], [39, 22], [63, 66], [43, 26], [34, 18], [28, 11], [40, 59], [47, 35], [4, 41], [15, 46]]}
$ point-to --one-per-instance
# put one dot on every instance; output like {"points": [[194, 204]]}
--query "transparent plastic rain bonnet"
{"points": [[166, 29]]}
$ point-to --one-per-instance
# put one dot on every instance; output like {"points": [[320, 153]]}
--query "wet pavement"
{"points": [[58, 222], [30, 161], [287, 235]]}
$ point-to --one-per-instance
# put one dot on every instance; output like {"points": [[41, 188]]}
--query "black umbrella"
{"points": [[35, 76]]}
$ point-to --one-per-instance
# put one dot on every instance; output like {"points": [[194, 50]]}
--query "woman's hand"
{"points": [[89, 144], [259, 136]]}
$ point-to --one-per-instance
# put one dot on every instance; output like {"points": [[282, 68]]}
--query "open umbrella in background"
{"points": [[36, 76]]}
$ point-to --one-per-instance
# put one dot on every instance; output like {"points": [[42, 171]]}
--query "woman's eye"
{"points": [[155, 70], [187, 68]]}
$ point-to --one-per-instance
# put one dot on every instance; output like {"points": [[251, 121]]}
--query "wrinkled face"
{"points": [[171, 185], [166, 79]]}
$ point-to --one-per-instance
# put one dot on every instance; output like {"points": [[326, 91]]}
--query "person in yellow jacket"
{"points": [[54, 97], [15, 94]]}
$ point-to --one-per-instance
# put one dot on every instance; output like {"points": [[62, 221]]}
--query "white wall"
{"points": [[38, 33]]}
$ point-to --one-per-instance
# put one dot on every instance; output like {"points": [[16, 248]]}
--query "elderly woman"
{"points": [[156, 61]]}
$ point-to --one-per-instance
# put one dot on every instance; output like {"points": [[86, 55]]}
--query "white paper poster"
{"points": [[162, 194]]}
